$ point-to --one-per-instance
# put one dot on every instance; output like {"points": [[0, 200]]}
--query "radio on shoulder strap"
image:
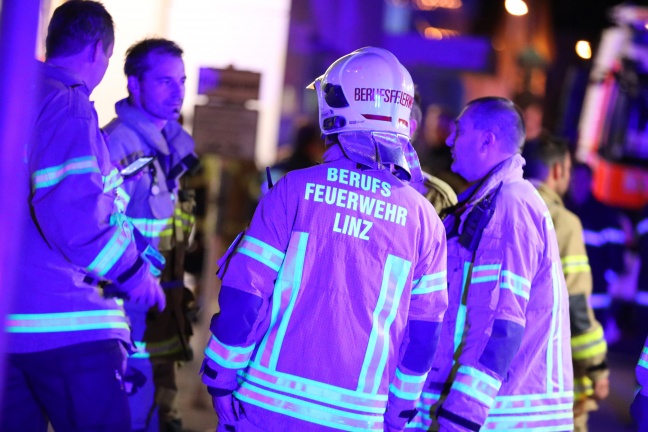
{"points": [[477, 221]]}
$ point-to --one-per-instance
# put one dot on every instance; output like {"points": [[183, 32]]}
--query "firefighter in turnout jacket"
{"points": [[548, 166]]}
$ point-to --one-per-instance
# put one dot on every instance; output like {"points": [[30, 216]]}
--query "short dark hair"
{"points": [[541, 154], [136, 63], [75, 25], [503, 118]]}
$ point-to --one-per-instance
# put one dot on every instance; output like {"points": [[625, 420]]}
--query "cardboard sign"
{"points": [[228, 131], [229, 84]]}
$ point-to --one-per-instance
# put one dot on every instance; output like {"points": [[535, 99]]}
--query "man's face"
{"points": [[562, 184], [99, 67], [160, 90], [464, 142]]}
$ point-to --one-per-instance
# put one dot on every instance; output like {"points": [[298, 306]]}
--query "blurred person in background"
{"points": [[504, 352], [438, 192], [162, 209], [436, 157], [331, 303], [605, 242], [66, 340], [307, 151], [548, 168]]}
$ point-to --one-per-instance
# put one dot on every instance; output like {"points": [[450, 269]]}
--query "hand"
{"points": [[148, 293], [601, 389], [579, 408], [224, 407]]}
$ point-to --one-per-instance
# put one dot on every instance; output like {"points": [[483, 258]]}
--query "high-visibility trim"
{"points": [[151, 228], [461, 310], [309, 410], [554, 342], [603, 237], [430, 283], [115, 248], [66, 321], [157, 349], [485, 273], [112, 181], [519, 285], [642, 227], [476, 384], [407, 387], [48, 177], [588, 345], [575, 264], [311, 389], [121, 199], [547, 218], [554, 421], [284, 295], [583, 387], [262, 252], [228, 356], [393, 282], [643, 359]]}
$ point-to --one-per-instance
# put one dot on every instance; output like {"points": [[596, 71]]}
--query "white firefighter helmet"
{"points": [[367, 90]]}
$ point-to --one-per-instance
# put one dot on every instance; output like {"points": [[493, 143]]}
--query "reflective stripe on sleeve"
{"points": [[151, 228], [407, 387], [476, 384], [430, 283], [48, 177], [588, 345], [112, 181], [519, 285], [575, 264], [115, 247], [228, 356], [66, 321], [262, 252]]}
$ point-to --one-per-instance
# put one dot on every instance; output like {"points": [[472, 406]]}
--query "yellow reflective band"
{"points": [[575, 264], [588, 338], [576, 269]]}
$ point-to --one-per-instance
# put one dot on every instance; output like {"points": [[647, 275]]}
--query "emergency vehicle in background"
{"points": [[613, 127]]}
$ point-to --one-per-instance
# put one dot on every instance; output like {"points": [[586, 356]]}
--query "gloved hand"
{"points": [[149, 293], [227, 416], [142, 288], [639, 412]]}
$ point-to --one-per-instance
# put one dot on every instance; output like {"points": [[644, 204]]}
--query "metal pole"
{"points": [[18, 29]]}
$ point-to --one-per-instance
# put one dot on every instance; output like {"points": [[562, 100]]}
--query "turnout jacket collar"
{"points": [[65, 76], [137, 120]]}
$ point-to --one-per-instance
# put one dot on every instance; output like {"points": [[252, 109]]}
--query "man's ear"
{"points": [[96, 50], [413, 125], [557, 171], [488, 141], [133, 85]]}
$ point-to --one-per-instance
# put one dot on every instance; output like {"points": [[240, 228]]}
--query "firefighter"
{"points": [[66, 337], [504, 360], [146, 126], [331, 301], [548, 167]]}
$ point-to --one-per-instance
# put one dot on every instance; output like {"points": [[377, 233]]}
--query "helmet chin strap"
{"points": [[380, 150]]}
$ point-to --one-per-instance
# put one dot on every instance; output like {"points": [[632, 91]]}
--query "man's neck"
{"points": [[159, 123], [74, 64]]}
